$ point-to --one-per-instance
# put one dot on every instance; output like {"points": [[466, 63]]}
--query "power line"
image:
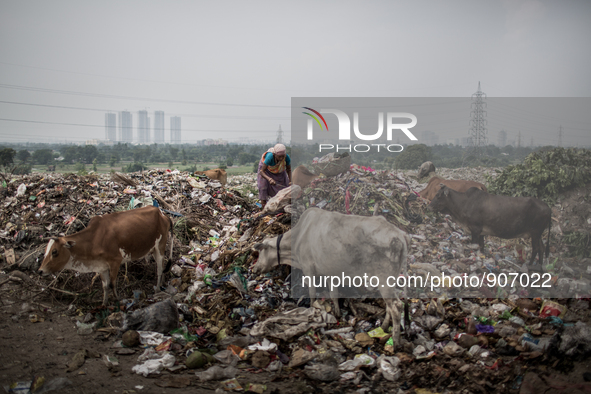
{"points": [[227, 87], [102, 126], [173, 114], [99, 95]]}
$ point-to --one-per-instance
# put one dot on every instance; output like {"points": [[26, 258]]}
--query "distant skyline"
{"points": [[229, 70]]}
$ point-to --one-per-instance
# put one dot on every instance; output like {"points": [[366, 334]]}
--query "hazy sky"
{"points": [[230, 68]]}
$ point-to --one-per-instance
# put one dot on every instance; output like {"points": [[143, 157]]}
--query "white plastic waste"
{"points": [[22, 188], [156, 365], [85, 329], [152, 338], [217, 373], [265, 345], [359, 361], [388, 366]]}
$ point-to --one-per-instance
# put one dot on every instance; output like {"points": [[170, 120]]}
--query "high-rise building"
{"points": [[502, 139], [209, 141], [111, 127], [143, 127], [175, 130], [125, 127], [429, 138], [159, 127], [466, 142]]}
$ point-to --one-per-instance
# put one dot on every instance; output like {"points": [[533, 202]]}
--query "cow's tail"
{"points": [[169, 263], [406, 316], [548, 241], [404, 269]]}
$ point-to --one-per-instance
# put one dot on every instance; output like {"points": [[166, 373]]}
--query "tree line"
{"points": [[19, 158]]}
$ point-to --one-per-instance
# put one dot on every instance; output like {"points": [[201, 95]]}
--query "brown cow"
{"points": [[218, 174], [302, 177], [455, 184], [108, 241]]}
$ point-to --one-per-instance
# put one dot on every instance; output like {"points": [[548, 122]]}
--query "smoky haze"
{"points": [[230, 69]]}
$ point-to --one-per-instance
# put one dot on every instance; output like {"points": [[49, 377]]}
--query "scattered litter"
{"points": [[227, 315]]}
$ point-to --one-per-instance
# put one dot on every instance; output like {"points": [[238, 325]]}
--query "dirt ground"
{"points": [[44, 349], [39, 339]]}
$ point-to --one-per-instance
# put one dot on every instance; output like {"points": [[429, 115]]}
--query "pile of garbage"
{"points": [[36, 207], [477, 174], [364, 192], [217, 321]]}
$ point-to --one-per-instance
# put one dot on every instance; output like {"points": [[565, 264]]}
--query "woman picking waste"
{"points": [[274, 173]]}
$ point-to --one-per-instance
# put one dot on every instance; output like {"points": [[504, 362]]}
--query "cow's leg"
{"points": [[106, 279], [541, 251], [159, 257], [94, 279], [159, 252], [311, 288], [334, 295], [285, 271], [393, 314], [535, 246], [477, 238], [159, 270], [387, 318], [312, 293], [113, 272]]}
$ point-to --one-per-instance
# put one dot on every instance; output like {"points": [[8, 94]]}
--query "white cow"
{"points": [[331, 247]]}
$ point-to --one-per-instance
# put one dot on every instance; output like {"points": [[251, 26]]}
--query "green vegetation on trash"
{"points": [[578, 243], [544, 174]]}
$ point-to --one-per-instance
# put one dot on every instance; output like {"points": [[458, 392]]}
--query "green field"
{"points": [[105, 169]]}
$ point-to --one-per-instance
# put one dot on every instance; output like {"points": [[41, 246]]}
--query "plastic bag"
{"points": [[154, 365], [283, 198], [22, 188], [388, 366], [217, 373]]}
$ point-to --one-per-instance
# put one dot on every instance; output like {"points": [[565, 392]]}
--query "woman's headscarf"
{"points": [[278, 149], [280, 166]]}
